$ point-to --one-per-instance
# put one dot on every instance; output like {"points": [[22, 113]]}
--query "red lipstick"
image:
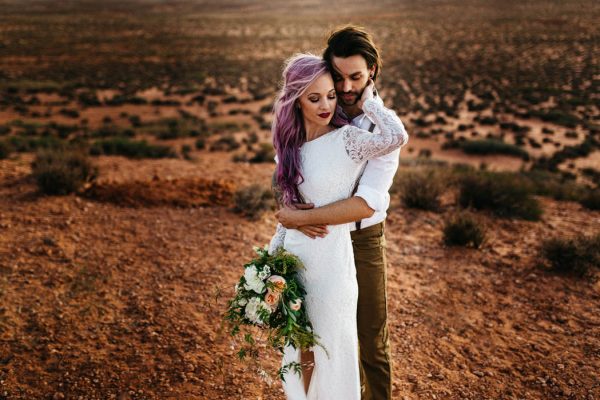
{"points": [[325, 115]]}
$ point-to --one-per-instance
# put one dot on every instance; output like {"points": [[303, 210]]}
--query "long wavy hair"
{"points": [[299, 72]]}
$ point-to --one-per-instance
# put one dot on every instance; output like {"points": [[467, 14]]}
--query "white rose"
{"points": [[253, 308], [253, 282], [242, 302]]}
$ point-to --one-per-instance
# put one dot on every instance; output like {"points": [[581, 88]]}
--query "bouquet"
{"points": [[269, 299]]}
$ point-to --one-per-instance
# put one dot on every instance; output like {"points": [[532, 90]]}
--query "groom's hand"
{"points": [[290, 217]]}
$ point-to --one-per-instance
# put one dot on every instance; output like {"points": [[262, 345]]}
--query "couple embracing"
{"points": [[337, 151]]}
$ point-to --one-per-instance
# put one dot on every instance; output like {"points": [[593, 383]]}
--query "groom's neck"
{"points": [[352, 111]]}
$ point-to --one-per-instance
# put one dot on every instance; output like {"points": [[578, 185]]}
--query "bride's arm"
{"points": [[362, 145]]}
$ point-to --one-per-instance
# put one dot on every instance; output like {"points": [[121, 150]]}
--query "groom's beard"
{"points": [[350, 98]]}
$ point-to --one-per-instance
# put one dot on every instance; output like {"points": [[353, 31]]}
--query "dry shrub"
{"points": [[579, 255], [464, 229], [591, 200], [505, 194], [265, 153], [253, 200], [5, 149], [62, 171], [422, 189]]}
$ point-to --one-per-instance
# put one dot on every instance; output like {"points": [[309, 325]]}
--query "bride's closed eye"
{"points": [[316, 99]]}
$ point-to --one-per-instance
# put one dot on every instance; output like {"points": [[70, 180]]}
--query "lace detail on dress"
{"points": [[277, 239], [362, 145]]}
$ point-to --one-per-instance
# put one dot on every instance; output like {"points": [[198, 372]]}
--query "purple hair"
{"points": [[288, 131]]}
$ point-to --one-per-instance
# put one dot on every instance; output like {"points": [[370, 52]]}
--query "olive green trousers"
{"points": [[375, 357]]}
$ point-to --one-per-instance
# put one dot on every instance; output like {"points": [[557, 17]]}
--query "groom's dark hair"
{"points": [[351, 40]]}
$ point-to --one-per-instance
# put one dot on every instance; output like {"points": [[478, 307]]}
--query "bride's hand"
{"points": [[314, 231], [367, 93]]}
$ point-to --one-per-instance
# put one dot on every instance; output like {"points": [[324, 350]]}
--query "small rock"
{"points": [[479, 374]]}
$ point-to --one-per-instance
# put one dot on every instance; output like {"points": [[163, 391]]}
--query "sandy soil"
{"points": [[101, 301]]}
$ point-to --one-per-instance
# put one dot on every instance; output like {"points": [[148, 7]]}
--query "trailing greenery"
{"points": [[270, 298]]}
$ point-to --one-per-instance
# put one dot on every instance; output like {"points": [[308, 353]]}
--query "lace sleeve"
{"points": [[362, 145], [277, 239]]}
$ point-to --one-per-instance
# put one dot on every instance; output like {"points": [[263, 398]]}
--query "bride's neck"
{"points": [[313, 131]]}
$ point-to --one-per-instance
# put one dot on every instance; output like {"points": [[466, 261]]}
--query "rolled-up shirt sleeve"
{"points": [[373, 198], [377, 179]]}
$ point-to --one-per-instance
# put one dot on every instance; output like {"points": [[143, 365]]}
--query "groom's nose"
{"points": [[347, 87]]}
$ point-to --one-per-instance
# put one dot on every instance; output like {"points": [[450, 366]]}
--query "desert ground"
{"points": [[116, 290]]}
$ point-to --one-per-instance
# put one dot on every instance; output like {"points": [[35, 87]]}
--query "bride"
{"points": [[320, 158]]}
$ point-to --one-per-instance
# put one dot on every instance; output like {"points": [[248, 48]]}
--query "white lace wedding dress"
{"points": [[331, 165]]}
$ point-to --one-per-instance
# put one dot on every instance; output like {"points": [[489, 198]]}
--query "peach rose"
{"points": [[296, 304], [272, 298], [278, 281]]}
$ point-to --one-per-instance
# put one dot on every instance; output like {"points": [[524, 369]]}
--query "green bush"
{"points": [[200, 143], [26, 144], [505, 194], [579, 255], [131, 148], [553, 185], [591, 200], [225, 143], [5, 149], [422, 189], [62, 171], [252, 201], [464, 229], [491, 146], [265, 153]]}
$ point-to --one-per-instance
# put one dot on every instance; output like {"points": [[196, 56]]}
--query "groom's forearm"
{"points": [[341, 212]]}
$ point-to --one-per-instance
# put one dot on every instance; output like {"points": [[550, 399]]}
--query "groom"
{"points": [[353, 58]]}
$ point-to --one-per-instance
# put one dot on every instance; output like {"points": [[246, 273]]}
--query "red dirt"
{"points": [[101, 301]]}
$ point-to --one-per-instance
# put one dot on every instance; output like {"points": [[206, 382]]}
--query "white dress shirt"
{"points": [[377, 178]]}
